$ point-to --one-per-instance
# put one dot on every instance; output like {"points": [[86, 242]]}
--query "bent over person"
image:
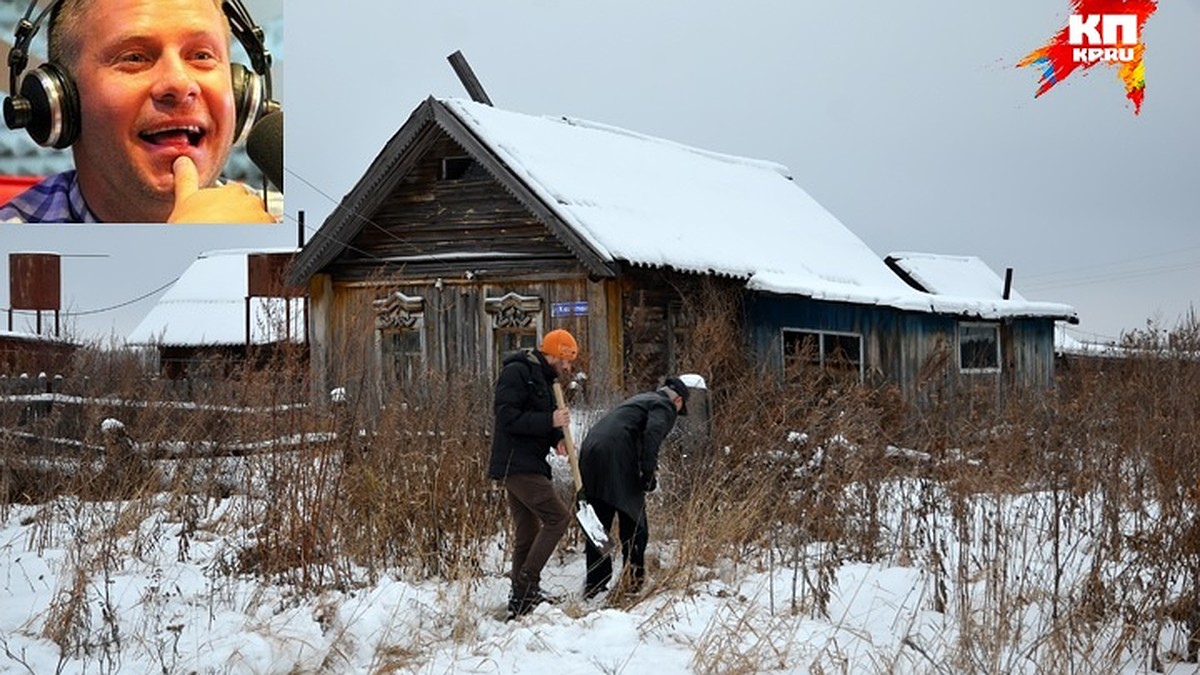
{"points": [[528, 425], [619, 465]]}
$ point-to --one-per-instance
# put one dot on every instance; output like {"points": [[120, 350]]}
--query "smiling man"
{"points": [[156, 117]]}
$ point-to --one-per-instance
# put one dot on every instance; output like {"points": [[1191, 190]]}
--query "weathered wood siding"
{"points": [[457, 330], [31, 356], [917, 351], [659, 311], [650, 307], [432, 226], [636, 329], [1031, 345]]}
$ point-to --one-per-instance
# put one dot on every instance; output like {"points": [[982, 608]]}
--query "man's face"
{"points": [[562, 367], [154, 83]]}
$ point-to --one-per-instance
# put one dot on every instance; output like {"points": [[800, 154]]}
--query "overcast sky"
{"points": [[908, 121]]}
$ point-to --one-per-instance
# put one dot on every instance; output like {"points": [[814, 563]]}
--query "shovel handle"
{"points": [[561, 402]]}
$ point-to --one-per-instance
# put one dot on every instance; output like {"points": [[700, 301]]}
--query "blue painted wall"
{"points": [[913, 349]]}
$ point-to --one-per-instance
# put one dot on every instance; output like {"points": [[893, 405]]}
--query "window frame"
{"points": [[399, 314], [511, 314], [456, 167], [414, 361], [822, 357], [994, 328]]}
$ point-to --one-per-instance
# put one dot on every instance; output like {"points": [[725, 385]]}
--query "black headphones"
{"points": [[46, 103]]}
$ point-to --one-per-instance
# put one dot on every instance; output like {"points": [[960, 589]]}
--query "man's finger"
{"points": [[187, 180]]}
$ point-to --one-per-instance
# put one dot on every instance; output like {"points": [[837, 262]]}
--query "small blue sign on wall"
{"points": [[559, 310]]}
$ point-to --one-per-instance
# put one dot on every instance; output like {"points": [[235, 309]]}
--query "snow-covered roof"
{"points": [[613, 195], [15, 336], [963, 275], [206, 306], [654, 202]]}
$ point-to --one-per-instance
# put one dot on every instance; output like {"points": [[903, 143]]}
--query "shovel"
{"points": [[584, 512]]}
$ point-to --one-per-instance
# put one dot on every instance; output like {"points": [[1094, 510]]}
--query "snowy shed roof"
{"points": [[963, 275], [968, 282], [18, 336], [206, 306], [616, 195]]}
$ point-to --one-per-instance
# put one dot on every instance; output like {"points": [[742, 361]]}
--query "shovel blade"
{"points": [[595, 531]]}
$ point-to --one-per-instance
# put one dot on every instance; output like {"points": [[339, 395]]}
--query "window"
{"points": [[978, 347], [460, 168], [509, 340], [399, 326], [516, 323], [403, 357], [830, 351]]}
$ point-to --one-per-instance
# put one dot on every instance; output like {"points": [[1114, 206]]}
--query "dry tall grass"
{"points": [[1059, 529]]}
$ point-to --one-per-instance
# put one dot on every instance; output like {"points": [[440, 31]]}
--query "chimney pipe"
{"points": [[468, 79], [1007, 282]]}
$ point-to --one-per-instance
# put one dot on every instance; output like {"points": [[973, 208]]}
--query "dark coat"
{"points": [[622, 448], [524, 407]]}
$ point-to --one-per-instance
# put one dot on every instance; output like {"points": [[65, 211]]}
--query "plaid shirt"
{"points": [[56, 199]]}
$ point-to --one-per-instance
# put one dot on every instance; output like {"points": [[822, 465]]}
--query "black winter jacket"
{"points": [[524, 407], [622, 448]]}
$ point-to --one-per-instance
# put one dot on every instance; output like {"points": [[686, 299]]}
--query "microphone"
{"points": [[264, 145]]}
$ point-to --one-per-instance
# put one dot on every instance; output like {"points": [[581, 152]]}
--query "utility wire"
{"points": [[110, 308], [1112, 276], [1112, 264], [1092, 337], [336, 205], [123, 304], [359, 215]]}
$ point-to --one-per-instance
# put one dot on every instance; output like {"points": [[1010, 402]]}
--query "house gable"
{"points": [[448, 215], [404, 212]]}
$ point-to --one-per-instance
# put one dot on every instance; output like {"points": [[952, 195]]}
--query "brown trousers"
{"points": [[539, 520]]}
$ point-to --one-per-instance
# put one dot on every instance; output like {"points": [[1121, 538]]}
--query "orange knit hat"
{"points": [[559, 343]]}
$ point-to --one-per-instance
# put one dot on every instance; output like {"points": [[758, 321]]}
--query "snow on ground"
{"points": [[163, 598], [168, 607]]}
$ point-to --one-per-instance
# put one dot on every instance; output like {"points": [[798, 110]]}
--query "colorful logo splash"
{"points": [[1098, 31]]}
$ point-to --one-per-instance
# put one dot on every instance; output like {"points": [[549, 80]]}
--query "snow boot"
{"points": [[526, 594], [590, 591]]}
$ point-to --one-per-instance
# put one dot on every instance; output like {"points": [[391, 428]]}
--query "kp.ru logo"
{"points": [[1098, 31], [1086, 30]]}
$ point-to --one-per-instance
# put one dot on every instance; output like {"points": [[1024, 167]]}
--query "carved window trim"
{"points": [[397, 313], [511, 313], [513, 310]]}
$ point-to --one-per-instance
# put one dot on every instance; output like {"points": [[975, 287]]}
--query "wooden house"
{"points": [[30, 354], [226, 305], [476, 230]]}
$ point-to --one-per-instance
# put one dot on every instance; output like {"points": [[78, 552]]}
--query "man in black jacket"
{"points": [[528, 424], [619, 464]]}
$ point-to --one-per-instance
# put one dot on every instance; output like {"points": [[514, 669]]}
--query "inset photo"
{"points": [[141, 111]]}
